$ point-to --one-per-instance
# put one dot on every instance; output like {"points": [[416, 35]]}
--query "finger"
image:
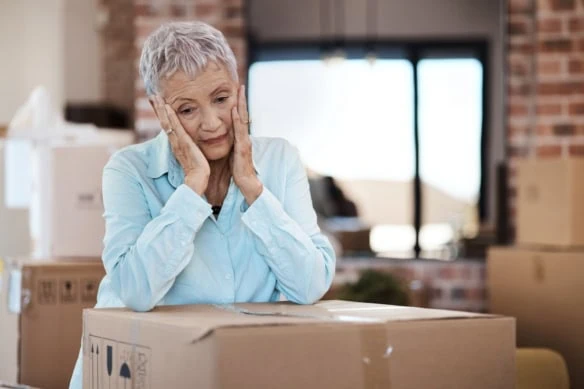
{"points": [[238, 127], [173, 137], [242, 105], [175, 125], [161, 112]]}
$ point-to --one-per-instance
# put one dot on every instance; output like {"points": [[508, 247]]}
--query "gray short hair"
{"points": [[183, 46]]}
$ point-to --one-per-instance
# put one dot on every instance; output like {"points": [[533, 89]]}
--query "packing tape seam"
{"points": [[376, 356]]}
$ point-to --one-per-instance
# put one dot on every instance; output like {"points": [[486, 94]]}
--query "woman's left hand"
{"points": [[242, 167]]}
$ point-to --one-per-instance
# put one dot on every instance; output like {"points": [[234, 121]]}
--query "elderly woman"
{"points": [[204, 213]]}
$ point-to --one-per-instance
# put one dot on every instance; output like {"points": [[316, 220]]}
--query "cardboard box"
{"points": [[66, 203], [550, 210], [332, 344], [41, 304], [59, 180], [544, 290]]}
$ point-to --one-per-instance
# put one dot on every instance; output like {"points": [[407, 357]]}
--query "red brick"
{"points": [[178, 10], [233, 31], [518, 68], [576, 109], [519, 89], [579, 45], [548, 151], [515, 152], [576, 150], [117, 58], [206, 10], [516, 129], [519, 6], [522, 47], [560, 88], [576, 24], [548, 109], [232, 11], [543, 130], [549, 67], [144, 30], [549, 25], [556, 5], [556, 45], [144, 10], [512, 167], [563, 129], [516, 109], [234, 3], [576, 66], [517, 27]]}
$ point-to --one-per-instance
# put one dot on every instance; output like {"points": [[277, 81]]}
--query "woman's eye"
{"points": [[221, 99], [186, 111]]}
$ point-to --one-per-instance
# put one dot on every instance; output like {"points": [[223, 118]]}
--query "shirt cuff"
{"points": [[188, 206], [263, 214]]}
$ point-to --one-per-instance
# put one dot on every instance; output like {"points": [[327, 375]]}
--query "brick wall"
{"points": [[545, 81], [226, 15], [118, 54]]}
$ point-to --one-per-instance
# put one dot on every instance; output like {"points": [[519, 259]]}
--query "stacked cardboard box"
{"points": [[540, 281], [332, 344], [58, 183], [41, 304]]}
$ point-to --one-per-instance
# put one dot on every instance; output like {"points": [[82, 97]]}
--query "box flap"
{"points": [[201, 320]]}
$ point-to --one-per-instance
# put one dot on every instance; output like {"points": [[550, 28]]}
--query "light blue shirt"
{"points": [[163, 246]]}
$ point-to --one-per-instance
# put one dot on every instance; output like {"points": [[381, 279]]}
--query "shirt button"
{"points": [[227, 276]]}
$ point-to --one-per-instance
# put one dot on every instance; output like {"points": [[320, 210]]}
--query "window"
{"points": [[450, 130], [362, 123]]}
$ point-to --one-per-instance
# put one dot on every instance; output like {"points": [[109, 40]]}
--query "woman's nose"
{"points": [[210, 120]]}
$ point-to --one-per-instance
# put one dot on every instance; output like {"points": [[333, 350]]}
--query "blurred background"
{"points": [[412, 118]]}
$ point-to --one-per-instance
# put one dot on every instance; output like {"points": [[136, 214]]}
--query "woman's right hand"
{"points": [[191, 158]]}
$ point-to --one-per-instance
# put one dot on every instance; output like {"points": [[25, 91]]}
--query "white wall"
{"points": [[31, 44], [82, 52], [277, 20], [50, 42]]}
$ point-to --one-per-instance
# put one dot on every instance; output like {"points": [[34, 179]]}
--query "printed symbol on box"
{"points": [[95, 366], [69, 291], [133, 367], [102, 360], [89, 290], [110, 363], [118, 365], [89, 200], [47, 290]]}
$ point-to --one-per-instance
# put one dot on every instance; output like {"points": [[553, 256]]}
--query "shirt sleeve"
{"points": [[288, 236], [144, 255]]}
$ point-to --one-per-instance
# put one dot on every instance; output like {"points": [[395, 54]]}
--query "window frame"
{"points": [[414, 51]]}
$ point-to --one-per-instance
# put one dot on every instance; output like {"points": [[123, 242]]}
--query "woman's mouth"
{"points": [[216, 140]]}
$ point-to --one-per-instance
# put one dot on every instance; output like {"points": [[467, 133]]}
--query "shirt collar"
{"points": [[162, 161]]}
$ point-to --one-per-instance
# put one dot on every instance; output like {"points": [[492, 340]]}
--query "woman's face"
{"points": [[203, 106]]}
